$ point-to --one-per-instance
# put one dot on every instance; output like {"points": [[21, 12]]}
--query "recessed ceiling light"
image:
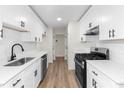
{"points": [[59, 19]]}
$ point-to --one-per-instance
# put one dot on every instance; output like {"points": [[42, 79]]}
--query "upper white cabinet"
{"points": [[111, 22], [110, 19], [92, 17], [24, 19], [89, 20], [16, 16]]}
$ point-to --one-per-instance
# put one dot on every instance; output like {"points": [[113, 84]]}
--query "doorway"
{"points": [[60, 43], [59, 46]]}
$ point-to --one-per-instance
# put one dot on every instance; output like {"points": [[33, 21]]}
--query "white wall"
{"points": [[47, 44], [60, 31], [74, 44], [11, 14]]}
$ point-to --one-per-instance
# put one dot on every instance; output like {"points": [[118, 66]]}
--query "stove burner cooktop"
{"points": [[89, 56]]}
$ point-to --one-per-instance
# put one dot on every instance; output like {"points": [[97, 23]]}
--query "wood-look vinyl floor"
{"points": [[58, 76]]}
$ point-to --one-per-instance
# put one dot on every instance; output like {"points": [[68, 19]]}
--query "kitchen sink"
{"points": [[21, 61]]}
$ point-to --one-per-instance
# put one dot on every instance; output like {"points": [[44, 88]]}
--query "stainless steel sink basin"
{"points": [[20, 62]]}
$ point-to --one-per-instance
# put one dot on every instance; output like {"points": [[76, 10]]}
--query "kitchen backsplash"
{"points": [[116, 48]]}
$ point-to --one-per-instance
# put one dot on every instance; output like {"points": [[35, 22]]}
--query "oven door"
{"points": [[80, 73]]}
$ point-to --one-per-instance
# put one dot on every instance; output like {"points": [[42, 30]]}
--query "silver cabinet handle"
{"points": [[109, 33], [1, 33], [35, 73], [113, 33]]}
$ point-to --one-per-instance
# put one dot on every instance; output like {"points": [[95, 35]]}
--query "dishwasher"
{"points": [[43, 66]]}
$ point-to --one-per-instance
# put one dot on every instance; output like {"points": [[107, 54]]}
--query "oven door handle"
{"points": [[79, 64]]}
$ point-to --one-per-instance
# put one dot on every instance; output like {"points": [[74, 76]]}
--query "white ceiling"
{"points": [[49, 13]]}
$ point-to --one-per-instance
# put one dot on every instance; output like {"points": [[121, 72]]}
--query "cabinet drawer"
{"points": [[101, 78], [16, 82]]}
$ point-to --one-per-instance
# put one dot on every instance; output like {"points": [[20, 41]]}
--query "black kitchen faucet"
{"points": [[12, 53]]}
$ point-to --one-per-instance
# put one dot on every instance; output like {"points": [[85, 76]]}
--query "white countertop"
{"points": [[7, 73], [113, 70]]}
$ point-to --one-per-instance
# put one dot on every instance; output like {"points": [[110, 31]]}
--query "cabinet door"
{"points": [[118, 21], [111, 22], [90, 19], [93, 16], [105, 22], [28, 77], [37, 73]]}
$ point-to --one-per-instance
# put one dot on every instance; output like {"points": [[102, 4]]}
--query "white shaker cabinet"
{"points": [[96, 79], [110, 19], [28, 77], [92, 18], [89, 20], [17, 16], [37, 73], [32, 75], [111, 22]]}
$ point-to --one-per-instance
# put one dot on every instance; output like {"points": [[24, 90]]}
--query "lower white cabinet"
{"points": [[37, 73], [96, 79], [16, 82], [32, 75], [29, 78]]}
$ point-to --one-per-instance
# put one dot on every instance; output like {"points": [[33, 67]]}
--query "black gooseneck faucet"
{"points": [[12, 53]]}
